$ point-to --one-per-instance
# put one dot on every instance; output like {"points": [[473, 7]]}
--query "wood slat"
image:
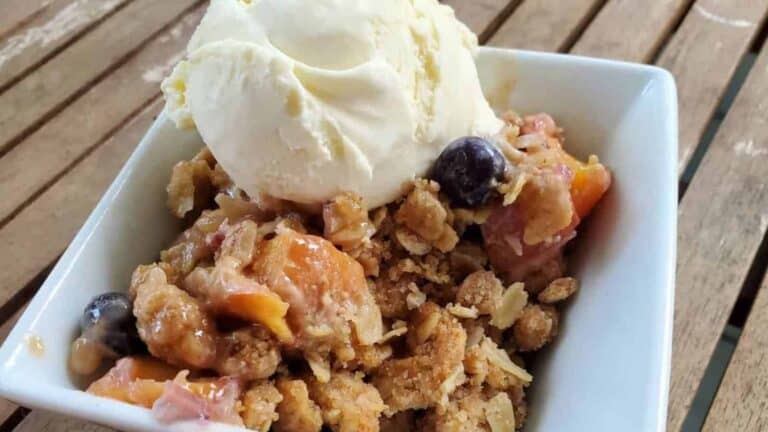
{"points": [[630, 29], [39, 234], [703, 55], [54, 27], [27, 103], [722, 219], [741, 403], [478, 14], [46, 153], [545, 25], [7, 407], [42, 421], [16, 12]]}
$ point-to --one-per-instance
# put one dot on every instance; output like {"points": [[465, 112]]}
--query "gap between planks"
{"points": [[14, 419], [691, 165], [483, 17], [77, 139], [549, 25], [721, 360], [740, 400], [62, 23], [61, 210], [708, 53], [45, 92], [607, 35], [722, 223], [89, 179], [15, 13], [32, 166]]}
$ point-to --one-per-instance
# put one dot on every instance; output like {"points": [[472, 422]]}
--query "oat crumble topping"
{"points": [[416, 315]]}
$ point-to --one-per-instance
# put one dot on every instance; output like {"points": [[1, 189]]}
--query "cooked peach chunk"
{"points": [[590, 182], [265, 309], [142, 381], [227, 290], [326, 288], [137, 380]]}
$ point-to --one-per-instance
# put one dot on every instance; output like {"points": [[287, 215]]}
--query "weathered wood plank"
{"points": [[24, 105], [54, 27], [50, 150], [723, 217], [42, 421], [37, 235], [7, 407], [15, 12], [478, 14], [703, 55], [544, 25], [742, 398], [630, 29]]}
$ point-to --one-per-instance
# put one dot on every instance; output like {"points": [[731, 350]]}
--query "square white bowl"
{"points": [[608, 369]]}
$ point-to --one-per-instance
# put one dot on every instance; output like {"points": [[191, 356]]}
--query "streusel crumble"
{"points": [[415, 315]]}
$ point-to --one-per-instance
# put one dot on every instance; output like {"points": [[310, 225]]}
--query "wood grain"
{"points": [[50, 150], [630, 29], [16, 12], [478, 14], [544, 25], [722, 220], [42, 421], [741, 403], [703, 56], [40, 93], [59, 23], [39, 234], [7, 407]]}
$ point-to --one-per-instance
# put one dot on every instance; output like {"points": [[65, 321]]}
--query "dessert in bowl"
{"points": [[366, 242], [304, 290]]}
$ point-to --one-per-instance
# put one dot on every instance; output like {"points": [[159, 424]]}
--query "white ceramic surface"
{"points": [[608, 370]]}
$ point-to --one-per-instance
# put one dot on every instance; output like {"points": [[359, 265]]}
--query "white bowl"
{"points": [[608, 370]]}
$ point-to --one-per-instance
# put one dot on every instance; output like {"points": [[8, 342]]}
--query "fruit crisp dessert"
{"points": [[367, 245], [415, 315]]}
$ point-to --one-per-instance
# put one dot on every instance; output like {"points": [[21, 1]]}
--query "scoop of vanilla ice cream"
{"points": [[305, 99]]}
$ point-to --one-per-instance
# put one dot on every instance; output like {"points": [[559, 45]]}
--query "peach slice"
{"points": [[136, 380], [229, 291], [590, 182], [325, 287], [141, 381], [266, 309]]}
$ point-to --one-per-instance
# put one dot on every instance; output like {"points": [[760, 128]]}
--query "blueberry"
{"points": [[108, 319], [467, 171]]}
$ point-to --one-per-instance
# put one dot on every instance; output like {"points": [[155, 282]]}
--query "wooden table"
{"points": [[79, 85]]}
